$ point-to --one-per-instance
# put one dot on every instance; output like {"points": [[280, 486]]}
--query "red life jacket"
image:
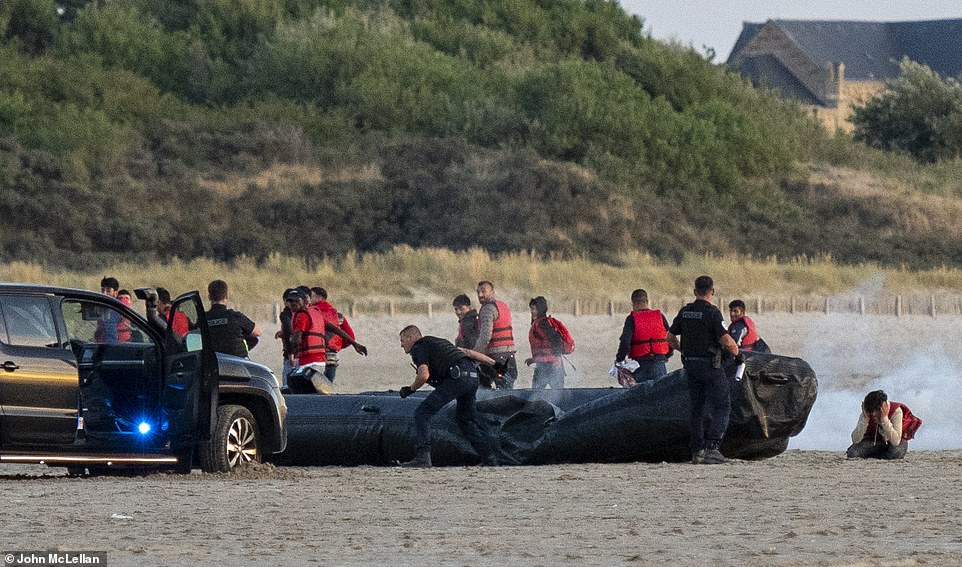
{"points": [[541, 350], [502, 334], [334, 342], [649, 336], [910, 423], [313, 345], [750, 338]]}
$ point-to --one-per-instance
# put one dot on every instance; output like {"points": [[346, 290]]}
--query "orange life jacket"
{"points": [[649, 336], [910, 423], [502, 334], [313, 344], [541, 350], [751, 337]]}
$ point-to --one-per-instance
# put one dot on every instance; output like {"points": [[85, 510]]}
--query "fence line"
{"points": [[887, 304]]}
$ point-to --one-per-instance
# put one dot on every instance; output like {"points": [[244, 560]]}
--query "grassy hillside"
{"points": [[152, 129]]}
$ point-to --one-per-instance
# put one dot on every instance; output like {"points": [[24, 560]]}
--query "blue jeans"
{"points": [[330, 370], [286, 370], [710, 404], [463, 390], [651, 368], [548, 374]]}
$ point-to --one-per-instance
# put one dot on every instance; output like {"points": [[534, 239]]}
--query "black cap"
{"points": [[293, 294]]}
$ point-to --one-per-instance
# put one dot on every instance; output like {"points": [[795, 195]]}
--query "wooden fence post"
{"points": [[352, 310], [758, 305], [577, 307], [932, 305], [611, 308], [390, 309], [861, 305], [827, 301], [791, 306], [276, 313], [430, 310], [898, 305]]}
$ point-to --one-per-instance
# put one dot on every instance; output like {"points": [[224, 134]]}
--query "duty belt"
{"points": [[456, 372]]}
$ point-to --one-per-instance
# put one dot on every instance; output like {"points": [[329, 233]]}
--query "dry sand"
{"points": [[801, 508]]}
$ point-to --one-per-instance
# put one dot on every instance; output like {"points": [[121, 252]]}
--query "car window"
{"points": [[91, 322], [28, 321]]}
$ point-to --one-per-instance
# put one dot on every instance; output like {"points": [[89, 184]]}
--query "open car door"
{"points": [[189, 395]]}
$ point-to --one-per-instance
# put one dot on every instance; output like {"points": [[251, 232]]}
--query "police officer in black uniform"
{"points": [[454, 374], [703, 341], [231, 332]]}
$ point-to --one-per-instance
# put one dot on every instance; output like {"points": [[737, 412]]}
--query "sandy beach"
{"points": [[805, 507]]}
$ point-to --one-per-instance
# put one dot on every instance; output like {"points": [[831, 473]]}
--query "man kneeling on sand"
{"points": [[883, 430]]}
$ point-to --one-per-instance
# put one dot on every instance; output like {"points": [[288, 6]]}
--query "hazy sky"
{"points": [[717, 23]]}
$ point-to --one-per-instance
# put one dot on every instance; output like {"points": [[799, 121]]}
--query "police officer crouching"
{"points": [[703, 338], [454, 374]]}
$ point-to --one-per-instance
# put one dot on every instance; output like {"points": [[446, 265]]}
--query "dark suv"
{"points": [[89, 384]]}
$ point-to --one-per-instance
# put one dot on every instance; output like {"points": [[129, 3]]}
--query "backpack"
{"points": [[567, 343]]}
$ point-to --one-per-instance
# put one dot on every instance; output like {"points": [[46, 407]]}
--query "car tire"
{"points": [[236, 441]]}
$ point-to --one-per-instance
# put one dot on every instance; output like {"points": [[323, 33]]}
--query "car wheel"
{"points": [[76, 471], [236, 441]]}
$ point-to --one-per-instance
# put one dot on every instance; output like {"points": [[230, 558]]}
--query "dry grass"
{"points": [[911, 209], [287, 176], [437, 275]]}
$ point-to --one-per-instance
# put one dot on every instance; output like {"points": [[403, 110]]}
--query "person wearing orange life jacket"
{"points": [[743, 330], [547, 348], [883, 430], [334, 343], [643, 339], [495, 339], [309, 330]]}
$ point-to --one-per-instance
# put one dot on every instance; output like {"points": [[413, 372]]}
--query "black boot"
{"points": [[714, 457], [422, 459]]}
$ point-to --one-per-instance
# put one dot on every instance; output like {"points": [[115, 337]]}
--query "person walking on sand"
{"points": [[467, 322], [883, 430], [496, 339], [550, 341], [703, 339]]}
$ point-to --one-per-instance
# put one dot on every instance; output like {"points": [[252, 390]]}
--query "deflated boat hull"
{"points": [[648, 422]]}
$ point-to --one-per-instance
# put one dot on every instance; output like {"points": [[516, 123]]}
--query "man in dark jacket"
{"points": [[229, 330], [454, 374], [467, 322], [703, 340]]}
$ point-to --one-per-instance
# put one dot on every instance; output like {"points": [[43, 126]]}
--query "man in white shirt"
{"points": [[883, 429]]}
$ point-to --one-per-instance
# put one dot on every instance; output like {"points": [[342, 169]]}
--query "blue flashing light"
{"points": [[143, 428]]}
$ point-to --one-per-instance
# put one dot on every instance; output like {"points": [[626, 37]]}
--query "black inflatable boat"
{"points": [[648, 422]]}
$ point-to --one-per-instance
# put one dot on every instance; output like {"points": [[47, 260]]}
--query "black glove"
{"points": [[406, 391], [739, 358]]}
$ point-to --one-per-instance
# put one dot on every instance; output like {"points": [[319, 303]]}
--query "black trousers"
{"points": [[489, 378], [872, 449], [710, 404], [463, 390]]}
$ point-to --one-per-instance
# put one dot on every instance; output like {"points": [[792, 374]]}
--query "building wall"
{"points": [[851, 94]]}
